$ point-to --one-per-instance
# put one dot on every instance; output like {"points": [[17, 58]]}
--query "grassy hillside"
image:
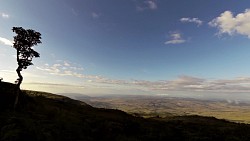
{"points": [[43, 116]]}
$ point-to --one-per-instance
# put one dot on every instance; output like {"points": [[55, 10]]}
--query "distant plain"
{"points": [[165, 107]]}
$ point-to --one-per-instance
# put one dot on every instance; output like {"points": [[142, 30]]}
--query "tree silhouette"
{"points": [[24, 42]]}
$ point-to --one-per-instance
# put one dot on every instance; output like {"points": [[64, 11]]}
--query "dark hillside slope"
{"points": [[47, 117]]}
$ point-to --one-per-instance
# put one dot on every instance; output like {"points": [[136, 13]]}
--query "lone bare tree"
{"points": [[24, 42]]}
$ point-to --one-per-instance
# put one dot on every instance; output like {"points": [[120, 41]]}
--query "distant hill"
{"points": [[47, 117]]}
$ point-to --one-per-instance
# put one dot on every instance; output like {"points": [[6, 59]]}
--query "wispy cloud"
{"points": [[185, 83], [191, 20], [66, 68], [54, 84], [6, 41], [62, 68], [4, 15], [229, 24], [95, 15], [74, 12], [189, 83], [175, 38], [147, 5], [151, 4], [181, 83]]}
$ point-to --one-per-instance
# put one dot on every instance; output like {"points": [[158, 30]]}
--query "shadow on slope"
{"points": [[44, 116]]}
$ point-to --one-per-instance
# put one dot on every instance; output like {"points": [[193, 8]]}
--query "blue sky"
{"points": [[171, 47]]}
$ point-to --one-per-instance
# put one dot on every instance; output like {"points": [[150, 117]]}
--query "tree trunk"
{"points": [[20, 79]]}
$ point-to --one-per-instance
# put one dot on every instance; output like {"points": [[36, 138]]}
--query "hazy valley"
{"points": [[163, 106]]}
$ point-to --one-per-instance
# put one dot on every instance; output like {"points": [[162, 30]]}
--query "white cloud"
{"points": [[4, 15], [175, 38], [191, 20], [229, 24], [6, 41], [147, 4]]}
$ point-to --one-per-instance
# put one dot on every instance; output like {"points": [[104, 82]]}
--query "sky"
{"points": [[188, 48]]}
